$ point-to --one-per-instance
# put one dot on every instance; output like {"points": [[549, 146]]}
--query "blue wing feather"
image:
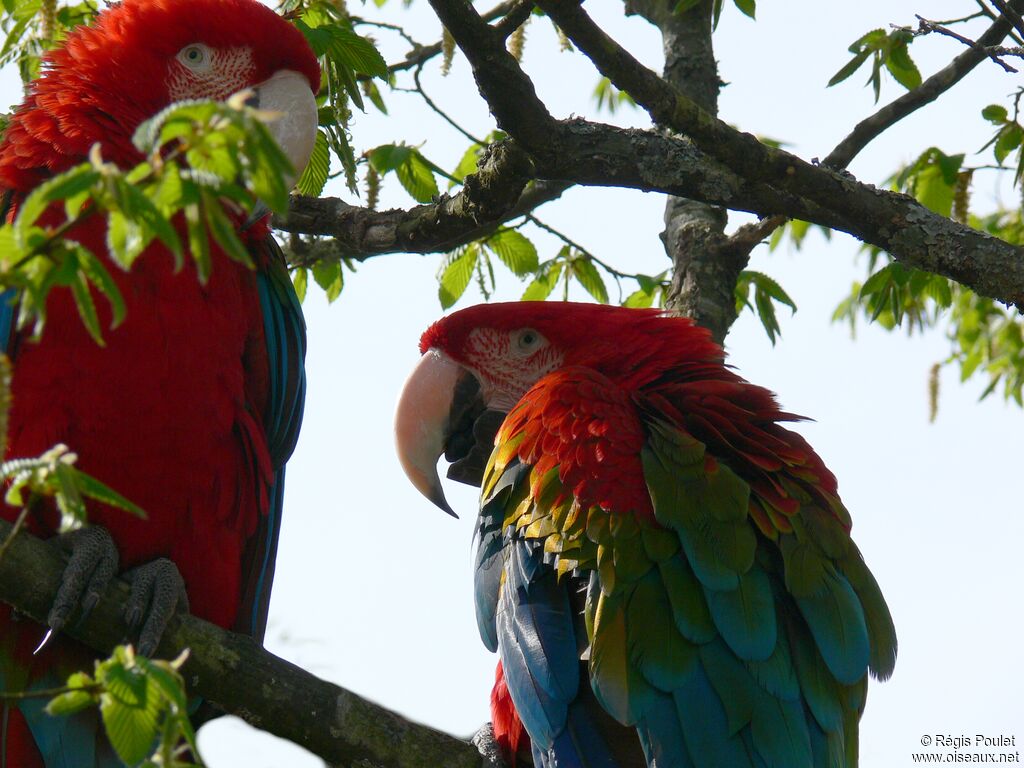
{"points": [[285, 333]]}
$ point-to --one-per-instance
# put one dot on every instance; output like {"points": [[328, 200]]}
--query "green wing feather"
{"points": [[733, 594]]}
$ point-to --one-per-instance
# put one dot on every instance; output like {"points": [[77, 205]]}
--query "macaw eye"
{"points": [[527, 340], [196, 57]]}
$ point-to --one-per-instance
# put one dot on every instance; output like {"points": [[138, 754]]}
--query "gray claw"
{"points": [[157, 592], [90, 568]]}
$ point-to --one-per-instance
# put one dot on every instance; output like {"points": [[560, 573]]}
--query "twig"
{"points": [[591, 153], [871, 127], [438, 111], [511, 12], [925, 27], [1010, 12]]}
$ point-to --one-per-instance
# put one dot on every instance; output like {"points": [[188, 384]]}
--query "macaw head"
{"points": [[479, 362], [140, 56]]}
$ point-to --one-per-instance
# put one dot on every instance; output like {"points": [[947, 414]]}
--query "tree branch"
{"points": [[870, 128], [237, 675], [566, 151], [511, 12], [725, 167], [499, 191]]}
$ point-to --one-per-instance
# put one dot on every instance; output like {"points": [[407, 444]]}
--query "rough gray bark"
{"points": [[705, 264], [236, 674]]}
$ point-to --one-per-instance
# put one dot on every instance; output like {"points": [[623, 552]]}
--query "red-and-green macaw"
{"points": [[193, 406], [664, 570]]}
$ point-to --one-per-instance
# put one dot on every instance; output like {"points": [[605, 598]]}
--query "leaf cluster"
{"points": [[345, 57], [884, 50], [143, 706], [985, 337], [54, 475], [206, 166]]}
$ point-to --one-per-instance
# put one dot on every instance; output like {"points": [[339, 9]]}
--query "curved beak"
{"points": [[287, 95], [421, 422]]}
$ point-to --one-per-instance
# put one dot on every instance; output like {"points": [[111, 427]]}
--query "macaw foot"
{"points": [[157, 592], [92, 563], [488, 747]]}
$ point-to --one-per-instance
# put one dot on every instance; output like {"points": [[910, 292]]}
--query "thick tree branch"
{"points": [[871, 127], [498, 192], [705, 263], [234, 673], [893, 222]]}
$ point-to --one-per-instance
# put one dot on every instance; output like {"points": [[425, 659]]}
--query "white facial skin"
{"points": [[201, 72], [508, 363]]}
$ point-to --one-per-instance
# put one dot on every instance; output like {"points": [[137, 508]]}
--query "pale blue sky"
{"points": [[373, 583]]}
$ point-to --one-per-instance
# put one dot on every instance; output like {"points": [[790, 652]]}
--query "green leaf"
{"points": [[87, 308], [74, 700], [766, 292], [300, 281], [96, 272], [92, 488], [467, 164], [327, 275], [902, 67], [198, 241], [995, 113], [314, 177], [223, 230], [1008, 139], [639, 299], [457, 274], [849, 68], [388, 157], [586, 274], [542, 285], [417, 177], [515, 250], [130, 708], [746, 7]]}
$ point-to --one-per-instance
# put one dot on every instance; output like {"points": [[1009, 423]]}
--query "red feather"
{"points": [[170, 413], [508, 728]]}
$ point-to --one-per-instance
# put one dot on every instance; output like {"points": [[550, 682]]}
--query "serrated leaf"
{"points": [[933, 191], [515, 251], [97, 273], [902, 67], [456, 276], [586, 274], [222, 229], [640, 299], [92, 488], [87, 308], [388, 157], [542, 285], [314, 177], [416, 176], [995, 113]]}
